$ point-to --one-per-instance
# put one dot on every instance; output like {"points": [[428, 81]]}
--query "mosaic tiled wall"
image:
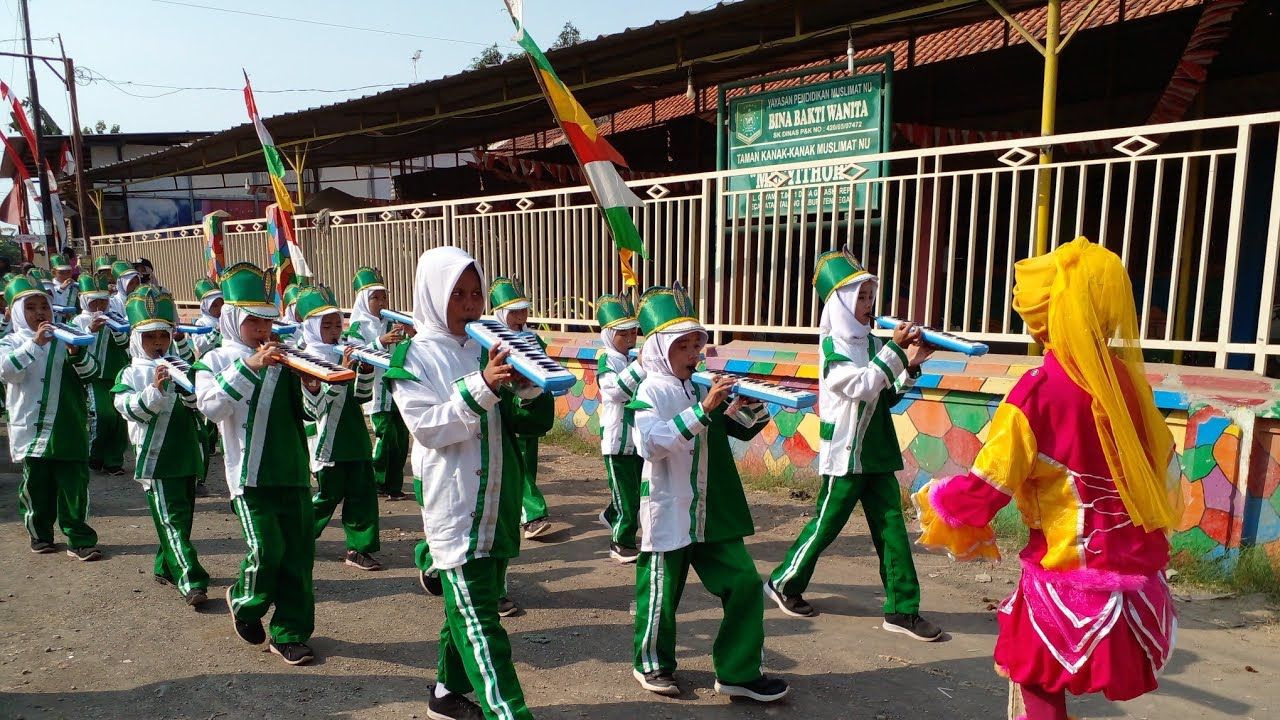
{"points": [[1226, 425]]}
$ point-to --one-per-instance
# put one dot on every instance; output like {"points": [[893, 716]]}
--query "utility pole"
{"points": [[77, 146], [46, 208]]}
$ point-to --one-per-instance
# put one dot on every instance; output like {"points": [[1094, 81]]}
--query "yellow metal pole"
{"points": [[1048, 118]]}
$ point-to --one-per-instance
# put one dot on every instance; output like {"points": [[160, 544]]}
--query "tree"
{"points": [[100, 128], [569, 35], [47, 125]]}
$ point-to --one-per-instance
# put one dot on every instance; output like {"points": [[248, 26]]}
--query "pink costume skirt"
{"points": [[1087, 631]]}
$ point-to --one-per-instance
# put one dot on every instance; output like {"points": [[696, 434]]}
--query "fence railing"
{"points": [[1193, 209]]}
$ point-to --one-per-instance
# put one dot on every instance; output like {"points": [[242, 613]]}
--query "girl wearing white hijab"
{"points": [[163, 425], [691, 515], [339, 443], [463, 424], [210, 309], [108, 433], [257, 405], [618, 378], [862, 377], [48, 423], [391, 437]]}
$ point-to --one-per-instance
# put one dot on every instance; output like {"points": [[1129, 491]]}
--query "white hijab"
{"points": [[311, 337], [229, 325], [502, 318], [86, 298], [360, 312], [135, 346], [122, 282], [19, 316], [207, 302], [657, 348], [433, 281], [838, 315]]}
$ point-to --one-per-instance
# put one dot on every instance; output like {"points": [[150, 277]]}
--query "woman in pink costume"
{"points": [[1079, 445]]}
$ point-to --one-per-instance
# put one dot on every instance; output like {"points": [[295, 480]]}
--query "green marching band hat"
{"points": [[368, 278], [104, 262], [247, 287], [667, 310], [204, 287], [93, 287], [314, 301], [615, 312], [508, 294], [120, 267], [39, 274], [57, 262], [835, 270], [150, 309], [20, 287], [291, 293]]}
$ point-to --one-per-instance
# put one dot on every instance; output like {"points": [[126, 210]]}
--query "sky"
{"points": [[123, 45]]}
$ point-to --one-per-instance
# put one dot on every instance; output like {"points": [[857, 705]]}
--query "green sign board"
{"points": [[826, 121]]}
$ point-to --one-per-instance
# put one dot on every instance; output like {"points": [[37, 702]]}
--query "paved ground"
{"points": [[103, 641]]}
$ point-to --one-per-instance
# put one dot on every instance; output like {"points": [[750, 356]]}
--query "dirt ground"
{"points": [[102, 640]]}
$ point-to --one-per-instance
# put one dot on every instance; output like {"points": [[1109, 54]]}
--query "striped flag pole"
{"points": [[214, 234], [593, 152]]}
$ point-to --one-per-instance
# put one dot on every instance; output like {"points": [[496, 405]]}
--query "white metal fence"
{"points": [[1193, 209]]}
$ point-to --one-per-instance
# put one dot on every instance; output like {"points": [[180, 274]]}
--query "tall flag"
{"points": [[594, 153], [214, 257], [20, 117], [286, 254], [59, 220], [280, 244], [275, 164]]}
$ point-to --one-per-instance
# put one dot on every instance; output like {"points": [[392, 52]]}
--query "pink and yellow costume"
{"points": [[1079, 445]]}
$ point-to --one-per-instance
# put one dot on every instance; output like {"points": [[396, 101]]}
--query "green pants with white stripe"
{"points": [[279, 526], [56, 490], [534, 505], [349, 482], [390, 450], [623, 472], [882, 504], [173, 504], [475, 653], [108, 434], [726, 570]]}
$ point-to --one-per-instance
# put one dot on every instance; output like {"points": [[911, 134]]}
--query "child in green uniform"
{"points": [[108, 433], [511, 307], [619, 378], [391, 437], [465, 457], [210, 310], [257, 405], [693, 511], [48, 422], [862, 378], [164, 426], [339, 441]]}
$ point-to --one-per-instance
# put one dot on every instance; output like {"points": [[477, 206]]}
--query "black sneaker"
{"points": [[202, 490], [397, 495], [913, 626], [793, 605], [660, 681], [85, 554], [507, 608], [95, 465], [293, 653], [766, 689], [431, 583], [196, 596], [43, 547], [250, 632], [453, 707], [361, 561], [536, 528], [623, 554]]}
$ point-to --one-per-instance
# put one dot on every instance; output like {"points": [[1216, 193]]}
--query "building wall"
{"points": [[1226, 426]]}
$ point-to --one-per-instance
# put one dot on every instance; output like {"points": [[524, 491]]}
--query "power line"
{"points": [[88, 76], [323, 24]]}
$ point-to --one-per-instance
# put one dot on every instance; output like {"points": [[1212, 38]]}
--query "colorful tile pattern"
{"points": [[1226, 427]]}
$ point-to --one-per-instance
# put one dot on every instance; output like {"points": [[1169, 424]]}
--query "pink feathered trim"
{"points": [[1087, 578], [939, 501]]}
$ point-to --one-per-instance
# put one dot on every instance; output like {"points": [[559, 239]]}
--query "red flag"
{"points": [[19, 167], [20, 115]]}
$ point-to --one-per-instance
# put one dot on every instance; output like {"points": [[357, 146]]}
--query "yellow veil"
{"points": [[1078, 302]]}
